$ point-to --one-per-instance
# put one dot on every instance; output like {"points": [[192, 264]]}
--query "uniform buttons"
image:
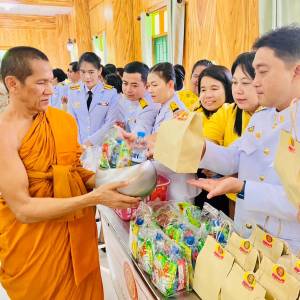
{"points": [[281, 119], [261, 178], [258, 134], [251, 129], [266, 151]]}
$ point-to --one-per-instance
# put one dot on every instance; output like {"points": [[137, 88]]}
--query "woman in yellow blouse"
{"points": [[229, 122], [214, 88], [190, 97]]}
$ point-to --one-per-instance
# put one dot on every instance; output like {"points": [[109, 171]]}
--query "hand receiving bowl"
{"points": [[141, 179]]}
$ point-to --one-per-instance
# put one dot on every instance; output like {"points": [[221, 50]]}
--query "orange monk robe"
{"points": [[55, 259]]}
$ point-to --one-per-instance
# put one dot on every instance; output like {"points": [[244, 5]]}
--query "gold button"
{"points": [[281, 119], [251, 129], [258, 134], [261, 178], [266, 151]]}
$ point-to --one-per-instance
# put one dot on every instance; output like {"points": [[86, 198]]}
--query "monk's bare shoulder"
{"points": [[12, 131]]}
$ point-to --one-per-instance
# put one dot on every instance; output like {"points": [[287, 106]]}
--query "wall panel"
{"points": [[81, 18], [67, 3], [215, 29], [219, 30], [48, 34]]}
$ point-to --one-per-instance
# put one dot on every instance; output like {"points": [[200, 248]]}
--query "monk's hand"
{"points": [[108, 195], [217, 187]]}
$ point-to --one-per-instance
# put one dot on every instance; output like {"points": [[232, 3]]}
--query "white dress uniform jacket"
{"points": [[138, 115], [252, 156], [94, 123]]}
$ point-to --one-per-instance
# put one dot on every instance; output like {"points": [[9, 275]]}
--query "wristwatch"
{"points": [[241, 194]]}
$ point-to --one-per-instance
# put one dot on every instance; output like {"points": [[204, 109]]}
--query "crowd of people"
{"points": [[47, 199]]}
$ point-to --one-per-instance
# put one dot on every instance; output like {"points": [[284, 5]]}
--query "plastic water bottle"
{"points": [[139, 149]]}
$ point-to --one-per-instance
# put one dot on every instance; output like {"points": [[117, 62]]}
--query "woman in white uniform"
{"points": [[161, 83]]}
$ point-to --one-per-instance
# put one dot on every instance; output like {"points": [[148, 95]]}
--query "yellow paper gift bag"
{"points": [[277, 281], [179, 144], [292, 264], [243, 251], [241, 285], [287, 166], [269, 245], [212, 267], [287, 159]]}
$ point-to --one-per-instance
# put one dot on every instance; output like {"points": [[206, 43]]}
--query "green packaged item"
{"points": [[191, 213], [124, 156], [164, 274], [174, 232], [145, 254]]}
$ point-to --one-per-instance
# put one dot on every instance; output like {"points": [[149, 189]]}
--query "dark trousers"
{"points": [[219, 202]]}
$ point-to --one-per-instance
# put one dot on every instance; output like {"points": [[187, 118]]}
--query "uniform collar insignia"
{"points": [[174, 107], [143, 103]]}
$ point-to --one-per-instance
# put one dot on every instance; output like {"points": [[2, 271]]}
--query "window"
{"points": [[2, 52], [99, 46], [159, 23], [277, 13]]}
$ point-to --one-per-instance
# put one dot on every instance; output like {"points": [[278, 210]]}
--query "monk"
{"points": [[48, 237]]}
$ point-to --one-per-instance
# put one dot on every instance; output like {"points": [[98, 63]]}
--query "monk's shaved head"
{"points": [[17, 62]]}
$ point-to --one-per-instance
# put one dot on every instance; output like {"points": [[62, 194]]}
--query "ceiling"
{"points": [[36, 10]]}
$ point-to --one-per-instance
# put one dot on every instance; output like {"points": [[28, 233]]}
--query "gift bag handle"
{"points": [[279, 227]]}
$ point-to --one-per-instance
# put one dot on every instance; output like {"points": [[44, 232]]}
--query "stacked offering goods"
{"points": [[166, 238], [114, 152]]}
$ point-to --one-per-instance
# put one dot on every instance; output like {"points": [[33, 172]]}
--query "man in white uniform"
{"points": [[262, 199]]}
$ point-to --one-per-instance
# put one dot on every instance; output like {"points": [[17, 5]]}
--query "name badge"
{"points": [[103, 103]]}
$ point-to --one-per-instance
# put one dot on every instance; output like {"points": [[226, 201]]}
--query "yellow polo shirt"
{"points": [[188, 98]]}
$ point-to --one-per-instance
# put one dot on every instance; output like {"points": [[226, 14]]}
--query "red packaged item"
{"points": [[160, 193]]}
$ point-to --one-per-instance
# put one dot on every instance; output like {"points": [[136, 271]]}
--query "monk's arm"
{"points": [[91, 182], [14, 189]]}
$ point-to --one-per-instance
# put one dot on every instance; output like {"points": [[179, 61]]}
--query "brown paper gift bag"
{"points": [[270, 246], [287, 159], [280, 285], [243, 251], [179, 144], [212, 266], [241, 285], [292, 264]]}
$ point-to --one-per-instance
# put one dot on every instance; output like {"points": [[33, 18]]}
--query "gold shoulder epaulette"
{"points": [[108, 87], [174, 107], [143, 103], [75, 87], [260, 108]]}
